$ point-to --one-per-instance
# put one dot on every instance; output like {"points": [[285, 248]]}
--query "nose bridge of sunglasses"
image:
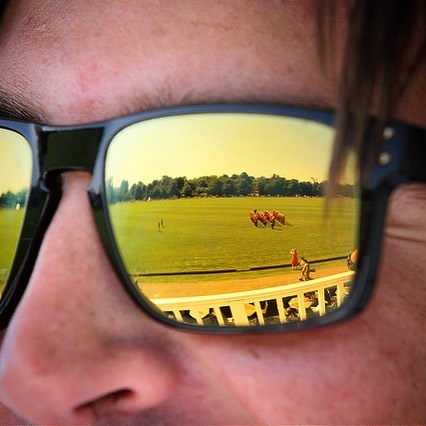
{"points": [[69, 149]]}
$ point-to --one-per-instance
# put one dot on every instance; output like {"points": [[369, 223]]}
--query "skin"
{"points": [[78, 351]]}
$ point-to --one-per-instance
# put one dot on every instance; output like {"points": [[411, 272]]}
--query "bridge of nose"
{"points": [[70, 149]]}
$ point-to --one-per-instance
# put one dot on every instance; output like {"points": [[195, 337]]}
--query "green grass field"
{"points": [[10, 225], [208, 234], [216, 233]]}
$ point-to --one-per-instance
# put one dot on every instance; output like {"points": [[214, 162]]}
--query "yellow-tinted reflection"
{"points": [[208, 210], [15, 178], [261, 146]]}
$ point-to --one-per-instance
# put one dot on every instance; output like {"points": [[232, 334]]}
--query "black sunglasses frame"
{"points": [[58, 149]]}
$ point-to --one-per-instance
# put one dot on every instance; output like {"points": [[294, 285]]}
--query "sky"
{"points": [[16, 164], [221, 143], [197, 145]]}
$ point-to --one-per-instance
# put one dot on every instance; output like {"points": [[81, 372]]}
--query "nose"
{"points": [[77, 347]]}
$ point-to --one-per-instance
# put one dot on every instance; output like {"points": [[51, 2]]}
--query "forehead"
{"points": [[86, 61]]}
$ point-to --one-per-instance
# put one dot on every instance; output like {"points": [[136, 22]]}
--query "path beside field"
{"points": [[201, 288]]}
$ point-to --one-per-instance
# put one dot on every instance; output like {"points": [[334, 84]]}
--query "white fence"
{"points": [[242, 308]]}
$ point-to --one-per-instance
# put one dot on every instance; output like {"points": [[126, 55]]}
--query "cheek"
{"points": [[402, 270], [406, 220], [289, 377], [347, 372], [7, 417]]}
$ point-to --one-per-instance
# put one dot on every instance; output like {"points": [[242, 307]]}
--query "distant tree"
{"points": [[260, 185], [305, 188], [229, 187], [216, 187], [245, 184], [201, 185], [293, 188], [139, 191], [180, 182], [123, 191], [234, 185], [187, 190], [110, 191]]}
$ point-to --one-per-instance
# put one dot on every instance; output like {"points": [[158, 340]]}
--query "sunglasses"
{"points": [[214, 217]]}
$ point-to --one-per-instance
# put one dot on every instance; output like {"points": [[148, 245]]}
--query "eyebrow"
{"points": [[16, 106], [26, 107]]}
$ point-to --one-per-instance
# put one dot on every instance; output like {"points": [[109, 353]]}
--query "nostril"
{"points": [[112, 405]]}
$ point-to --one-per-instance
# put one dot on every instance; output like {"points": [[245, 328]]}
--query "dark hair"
{"points": [[2, 6], [385, 47]]}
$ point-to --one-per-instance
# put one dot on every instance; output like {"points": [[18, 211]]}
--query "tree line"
{"points": [[11, 200], [220, 186], [213, 186]]}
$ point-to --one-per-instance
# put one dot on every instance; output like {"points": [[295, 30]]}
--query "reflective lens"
{"points": [[219, 217], [15, 180]]}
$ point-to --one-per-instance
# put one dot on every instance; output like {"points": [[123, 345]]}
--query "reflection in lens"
{"points": [[219, 218], [15, 178]]}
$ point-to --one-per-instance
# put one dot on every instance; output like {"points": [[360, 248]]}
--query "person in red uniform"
{"points": [[294, 258]]}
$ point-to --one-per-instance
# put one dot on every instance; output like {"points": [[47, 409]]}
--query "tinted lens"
{"points": [[15, 179], [219, 218]]}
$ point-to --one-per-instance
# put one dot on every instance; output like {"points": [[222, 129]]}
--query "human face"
{"points": [[78, 351]]}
